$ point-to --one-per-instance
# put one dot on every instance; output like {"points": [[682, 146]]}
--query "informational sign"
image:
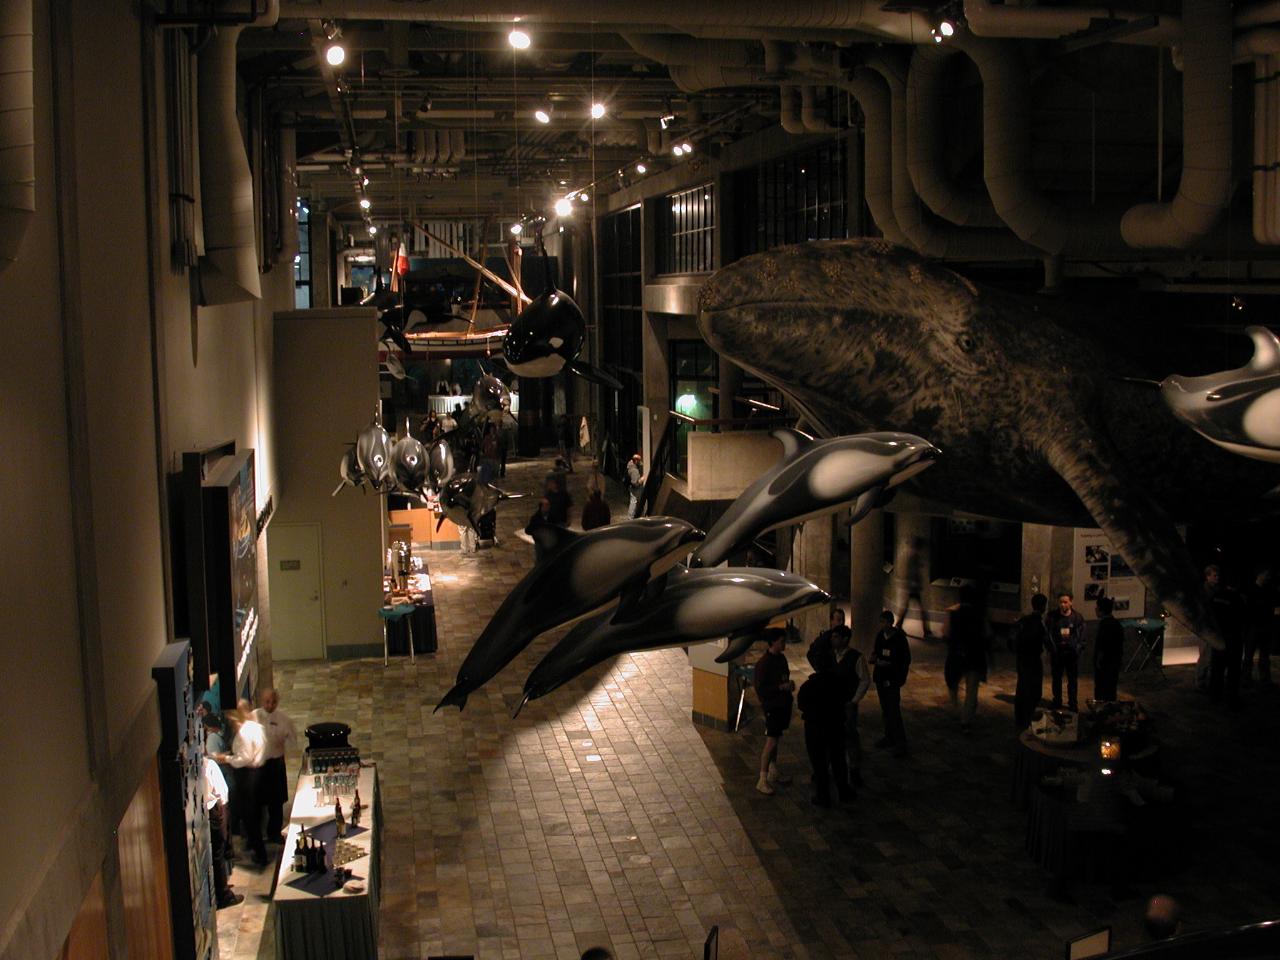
{"points": [[1098, 571]]}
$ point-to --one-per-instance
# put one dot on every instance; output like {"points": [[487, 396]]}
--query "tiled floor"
{"points": [[603, 816]]}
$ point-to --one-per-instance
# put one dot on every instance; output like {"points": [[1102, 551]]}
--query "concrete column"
{"points": [[812, 560], [1037, 541], [866, 577], [322, 293], [730, 385]]}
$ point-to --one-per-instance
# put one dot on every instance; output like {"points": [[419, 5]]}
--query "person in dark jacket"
{"points": [[1261, 600], [832, 649], [774, 688], [821, 703], [820, 650], [1108, 651], [891, 660], [559, 498], [1066, 634], [540, 518], [966, 655], [595, 512], [1030, 642]]}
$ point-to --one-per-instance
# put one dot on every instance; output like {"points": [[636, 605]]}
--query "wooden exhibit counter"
{"points": [[316, 918], [422, 524]]}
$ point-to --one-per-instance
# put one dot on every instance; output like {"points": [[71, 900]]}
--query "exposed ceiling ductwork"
{"points": [[17, 128], [873, 96]]}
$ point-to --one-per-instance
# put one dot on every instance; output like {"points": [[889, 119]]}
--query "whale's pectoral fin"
{"points": [[1139, 530], [792, 440], [550, 538], [594, 375], [440, 523], [638, 591], [739, 643], [870, 500]]}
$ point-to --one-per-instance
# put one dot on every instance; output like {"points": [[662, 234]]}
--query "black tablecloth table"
{"points": [[1034, 759], [424, 630], [1074, 840]]}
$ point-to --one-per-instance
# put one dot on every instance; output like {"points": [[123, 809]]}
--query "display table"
{"points": [[315, 918], [1073, 840], [1033, 759], [423, 619]]}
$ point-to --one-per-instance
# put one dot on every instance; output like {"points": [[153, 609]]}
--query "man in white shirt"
{"points": [[280, 732], [247, 756], [215, 802]]}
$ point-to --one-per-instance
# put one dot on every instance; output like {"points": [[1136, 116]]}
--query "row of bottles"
{"points": [[308, 854]]}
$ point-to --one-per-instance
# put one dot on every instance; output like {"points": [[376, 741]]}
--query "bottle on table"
{"points": [[356, 807], [338, 819], [300, 852]]}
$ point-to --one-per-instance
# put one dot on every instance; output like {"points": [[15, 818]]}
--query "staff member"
{"points": [[247, 756], [280, 733], [215, 802]]}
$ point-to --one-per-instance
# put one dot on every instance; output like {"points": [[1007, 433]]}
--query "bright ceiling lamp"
{"points": [[564, 207], [597, 111], [517, 229], [584, 196], [686, 146], [335, 54], [543, 113], [372, 230], [365, 203], [678, 150], [519, 39], [641, 168]]}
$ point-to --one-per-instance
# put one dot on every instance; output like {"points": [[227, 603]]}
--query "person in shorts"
{"points": [[774, 688]]}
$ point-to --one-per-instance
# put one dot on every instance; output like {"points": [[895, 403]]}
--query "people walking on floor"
{"points": [[1108, 652], [557, 494], [247, 756], [821, 704], [774, 688], [891, 661], [838, 652], [1030, 643], [966, 655], [1066, 632], [635, 483], [215, 745], [595, 512], [1229, 610], [914, 577], [541, 518], [1261, 601], [281, 733]]}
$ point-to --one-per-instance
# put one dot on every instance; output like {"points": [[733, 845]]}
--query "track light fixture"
{"points": [[686, 146], [666, 120], [519, 39], [517, 228], [365, 203], [641, 168], [564, 207], [597, 111], [543, 113], [373, 231], [584, 196]]}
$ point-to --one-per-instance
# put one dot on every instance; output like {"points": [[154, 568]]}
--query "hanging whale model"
{"points": [[409, 463], [440, 467], [349, 471], [1239, 410], [1024, 398], [464, 499], [547, 336], [816, 477], [692, 606], [579, 573], [373, 457]]}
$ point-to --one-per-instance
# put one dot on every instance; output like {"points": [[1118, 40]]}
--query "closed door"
{"points": [[297, 599]]}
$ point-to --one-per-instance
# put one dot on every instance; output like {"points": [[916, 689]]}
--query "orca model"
{"points": [[409, 462], [579, 573], [816, 477], [440, 466], [465, 500], [1239, 409], [372, 456], [694, 605], [547, 336]]}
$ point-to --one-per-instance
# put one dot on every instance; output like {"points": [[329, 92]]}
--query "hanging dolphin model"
{"points": [[694, 605], [373, 457], [349, 470], [547, 336], [1023, 397], [579, 573], [440, 467], [391, 361], [490, 398], [465, 500], [409, 462], [1239, 410], [816, 477]]}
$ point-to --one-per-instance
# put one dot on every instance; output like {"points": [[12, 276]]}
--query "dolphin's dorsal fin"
{"points": [[551, 538], [792, 440], [1266, 350]]}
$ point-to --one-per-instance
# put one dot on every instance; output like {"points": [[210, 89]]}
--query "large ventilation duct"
{"points": [[17, 128], [697, 65], [926, 156], [987, 19], [696, 77], [229, 265], [1018, 200], [789, 110], [457, 145], [811, 117], [929, 235], [1205, 186], [877, 162]]}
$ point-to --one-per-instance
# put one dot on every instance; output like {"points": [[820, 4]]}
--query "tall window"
{"points": [[620, 329], [687, 230], [695, 370], [798, 197], [302, 259]]}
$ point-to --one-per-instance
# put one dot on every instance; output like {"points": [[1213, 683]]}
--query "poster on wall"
{"points": [[1098, 571], [231, 564]]}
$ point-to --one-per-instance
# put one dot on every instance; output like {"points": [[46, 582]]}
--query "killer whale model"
{"points": [[816, 477], [409, 463], [373, 456], [547, 336], [464, 499], [692, 606], [1239, 410], [440, 466], [579, 573], [1024, 398]]}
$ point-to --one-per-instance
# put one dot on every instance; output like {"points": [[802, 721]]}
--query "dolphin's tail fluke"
{"points": [[520, 706], [457, 697]]}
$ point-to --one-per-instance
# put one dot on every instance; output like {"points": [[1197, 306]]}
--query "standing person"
{"points": [[214, 745], [215, 803], [1108, 652], [1209, 589], [1224, 665], [566, 438], [540, 518], [280, 733], [1030, 641], [635, 483], [855, 681], [966, 655], [774, 688], [1261, 599], [595, 512], [821, 705], [821, 649], [1066, 632], [248, 754], [913, 579], [891, 660], [556, 494]]}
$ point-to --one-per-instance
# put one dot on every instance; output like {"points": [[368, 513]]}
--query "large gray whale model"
{"points": [[1025, 400], [579, 573], [812, 478], [1239, 410], [694, 605]]}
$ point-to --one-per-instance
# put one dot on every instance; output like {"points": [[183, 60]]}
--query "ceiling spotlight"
{"points": [[686, 146], [365, 203], [597, 111], [364, 181], [678, 150], [517, 229], [331, 30], [641, 168], [584, 196], [666, 120], [372, 230], [519, 39], [543, 114], [564, 183], [335, 54], [563, 207]]}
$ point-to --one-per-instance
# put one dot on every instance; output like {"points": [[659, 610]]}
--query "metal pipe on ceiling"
{"points": [[873, 97], [987, 19]]}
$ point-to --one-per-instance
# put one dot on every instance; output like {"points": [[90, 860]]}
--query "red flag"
{"points": [[400, 269]]}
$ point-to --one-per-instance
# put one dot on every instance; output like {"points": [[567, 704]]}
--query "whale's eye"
{"points": [[966, 343]]}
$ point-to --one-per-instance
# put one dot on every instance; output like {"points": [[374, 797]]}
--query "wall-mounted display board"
{"points": [[186, 822], [1098, 571]]}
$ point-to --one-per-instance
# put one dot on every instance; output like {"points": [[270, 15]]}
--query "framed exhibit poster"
{"points": [[1098, 571]]}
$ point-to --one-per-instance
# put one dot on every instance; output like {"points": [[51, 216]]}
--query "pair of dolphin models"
{"points": [[651, 599]]}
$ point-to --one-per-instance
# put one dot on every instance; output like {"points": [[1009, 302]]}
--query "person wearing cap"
{"points": [[635, 483], [280, 732]]}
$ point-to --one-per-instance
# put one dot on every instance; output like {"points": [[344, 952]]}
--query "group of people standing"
{"points": [[1247, 624], [245, 781], [1061, 634]]}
